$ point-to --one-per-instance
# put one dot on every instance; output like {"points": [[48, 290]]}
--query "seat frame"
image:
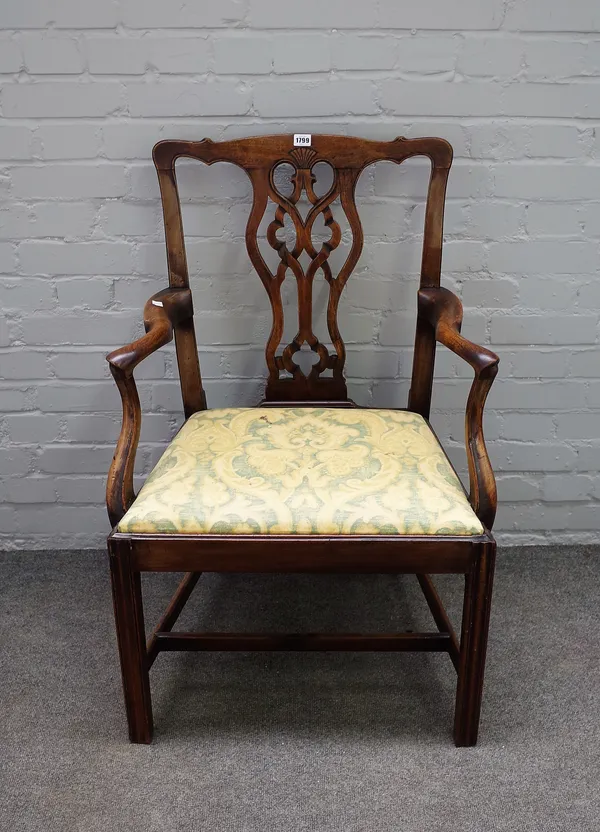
{"points": [[169, 314]]}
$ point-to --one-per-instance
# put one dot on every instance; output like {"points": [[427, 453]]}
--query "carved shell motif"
{"points": [[303, 156]]}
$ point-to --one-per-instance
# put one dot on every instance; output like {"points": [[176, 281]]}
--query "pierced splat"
{"points": [[303, 181], [294, 376]]}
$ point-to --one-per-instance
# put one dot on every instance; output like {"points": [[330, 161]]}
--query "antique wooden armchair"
{"points": [[308, 481]]}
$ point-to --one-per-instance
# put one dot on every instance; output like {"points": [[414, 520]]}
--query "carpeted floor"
{"points": [[297, 741]]}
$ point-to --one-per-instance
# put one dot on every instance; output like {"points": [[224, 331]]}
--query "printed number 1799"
{"points": [[302, 139]]}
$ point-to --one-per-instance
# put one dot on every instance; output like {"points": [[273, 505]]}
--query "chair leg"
{"points": [[473, 644], [129, 619]]}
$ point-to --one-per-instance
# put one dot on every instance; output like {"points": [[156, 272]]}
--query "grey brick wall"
{"points": [[88, 87]]}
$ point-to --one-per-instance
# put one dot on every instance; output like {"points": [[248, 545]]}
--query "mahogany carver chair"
{"points": [[307, 481]]}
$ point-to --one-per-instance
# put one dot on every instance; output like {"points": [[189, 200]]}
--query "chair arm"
{"points": [[161, 312], [443, 310]]}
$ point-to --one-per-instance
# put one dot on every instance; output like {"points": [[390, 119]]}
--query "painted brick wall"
{"points": [[88, 87]]}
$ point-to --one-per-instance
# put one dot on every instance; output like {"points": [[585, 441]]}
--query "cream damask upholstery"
{"points": [[297, 470]]}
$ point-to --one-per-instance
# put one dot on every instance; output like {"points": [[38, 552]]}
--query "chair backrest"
{"points": [[260, 157]]}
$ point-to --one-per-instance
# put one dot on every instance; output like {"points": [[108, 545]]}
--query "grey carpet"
{"points": [[298, 741]]}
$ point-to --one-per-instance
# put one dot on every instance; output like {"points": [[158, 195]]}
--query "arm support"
{"points": [[161, 313], [443, 311]]}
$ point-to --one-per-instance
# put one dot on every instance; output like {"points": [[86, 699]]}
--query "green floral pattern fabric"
{"points": [[296, 470]]}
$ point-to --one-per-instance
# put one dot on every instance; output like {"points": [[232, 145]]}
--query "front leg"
{"points": [[129, 619], [473, 645]]}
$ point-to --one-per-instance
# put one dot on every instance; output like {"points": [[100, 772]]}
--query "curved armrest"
{"points": [[161, 312], [443, 310]]}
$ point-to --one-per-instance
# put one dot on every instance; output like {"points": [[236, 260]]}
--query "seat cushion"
{"points": [[298, 470]]}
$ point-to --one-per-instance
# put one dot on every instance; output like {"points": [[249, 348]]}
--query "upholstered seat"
{"points": [[298, 470]]}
